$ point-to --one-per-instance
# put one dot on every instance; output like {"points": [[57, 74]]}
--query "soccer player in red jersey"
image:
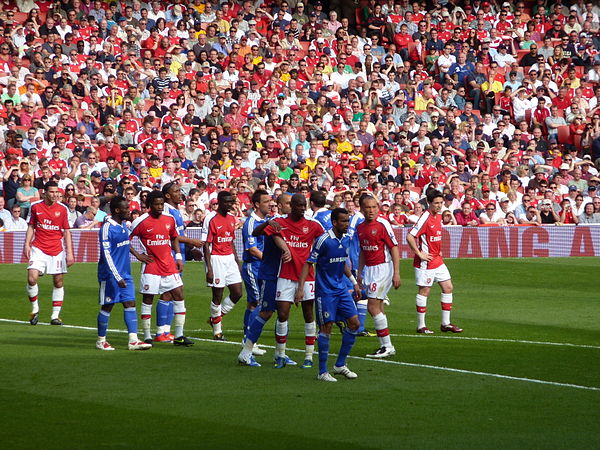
{"points": [[425, 240], [298, 234], [158, 234], [48, 226], [222, 270], [378, 268]]}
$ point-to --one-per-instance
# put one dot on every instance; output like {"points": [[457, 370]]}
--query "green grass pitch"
{"points": [[524, 374]]}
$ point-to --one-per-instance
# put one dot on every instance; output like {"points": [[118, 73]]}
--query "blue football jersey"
{"points": [[269, 266], [179, 224], [250, 241], [114, 251], [329, 256], [354, 249], [323, 216]]}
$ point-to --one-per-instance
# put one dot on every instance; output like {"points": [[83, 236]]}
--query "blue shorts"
{"points": [[267, 297], [331, 307], [251, 281], [111, 292]]}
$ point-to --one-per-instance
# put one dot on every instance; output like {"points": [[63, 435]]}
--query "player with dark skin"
{"points": [[226, 203], [120, 214], [157, 207], [298, 208]]}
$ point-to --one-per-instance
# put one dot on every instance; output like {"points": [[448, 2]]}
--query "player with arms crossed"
{"points": [[164, 307], [253, 255], [379, 261], [425, 240], [333, 300], [296, 237], [222, 270], [267, 275], [114, 275], [158, 234], [48, 225]]}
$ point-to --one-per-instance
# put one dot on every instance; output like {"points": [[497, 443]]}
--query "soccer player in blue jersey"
{"points": [[318, 200], [164, 308], [353, 253], [253, 255], [114, 275], [329, 256], [267, 274]]}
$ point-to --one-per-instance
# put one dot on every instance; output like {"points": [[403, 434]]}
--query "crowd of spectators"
{"points": [[495, 104]]}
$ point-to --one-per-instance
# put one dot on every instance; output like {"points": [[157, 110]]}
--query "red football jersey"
{"points": [[219, 232], [428, 231], [376, 238], [155, 234], [299, 237], [49, 223]]}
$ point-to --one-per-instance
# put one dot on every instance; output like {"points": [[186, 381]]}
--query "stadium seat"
{"points": [[563, 134]]}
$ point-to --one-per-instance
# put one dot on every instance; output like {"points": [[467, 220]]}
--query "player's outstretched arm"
{"points": [[69, 248], [177, 248], [259, 230], [194, 242], [396, 281]]}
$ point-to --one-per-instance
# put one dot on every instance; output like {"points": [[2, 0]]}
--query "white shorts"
{"points": [[52, 265], [225, 271], [426, 277], [378, 280], [286, 290], [157, 284]]}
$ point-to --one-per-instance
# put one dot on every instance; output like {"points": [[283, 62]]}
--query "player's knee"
{"points": [[266, 315], [326, 328], [58, 282], [353, 323]]}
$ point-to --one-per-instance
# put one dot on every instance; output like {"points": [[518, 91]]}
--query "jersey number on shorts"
{"points": [[373, 287]]}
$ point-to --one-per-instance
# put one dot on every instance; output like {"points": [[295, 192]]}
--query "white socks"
{"points": [[446, 308], [421, 310], [58, 294]]}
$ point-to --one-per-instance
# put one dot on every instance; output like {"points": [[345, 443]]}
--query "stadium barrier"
{"points": [[458, 242]]}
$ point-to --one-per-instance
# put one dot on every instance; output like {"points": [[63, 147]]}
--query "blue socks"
{"points": [[255, 329], [323, 341], [247, 315], [103, 317], [162, 313], [348, 339], [362, 316], [130, 318]]}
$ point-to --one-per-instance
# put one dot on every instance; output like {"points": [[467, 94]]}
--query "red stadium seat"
{"points": [[563, 134]]}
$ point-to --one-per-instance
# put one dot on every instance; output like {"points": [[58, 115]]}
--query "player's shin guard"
{"points": [[103, 317], [323, 352], [226, 306], [170, 316], [146, 316], [58, 294], [348, 339], [446, 308], [32, 293], [255, 329], [361, 307], [310, 336], [421, 310], [130, 318], [281, 331], [215, 318], [179, 319], [383, 333], [162, 315]]}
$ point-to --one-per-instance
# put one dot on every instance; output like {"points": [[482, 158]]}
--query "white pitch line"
{"points": [[385, 361]]}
